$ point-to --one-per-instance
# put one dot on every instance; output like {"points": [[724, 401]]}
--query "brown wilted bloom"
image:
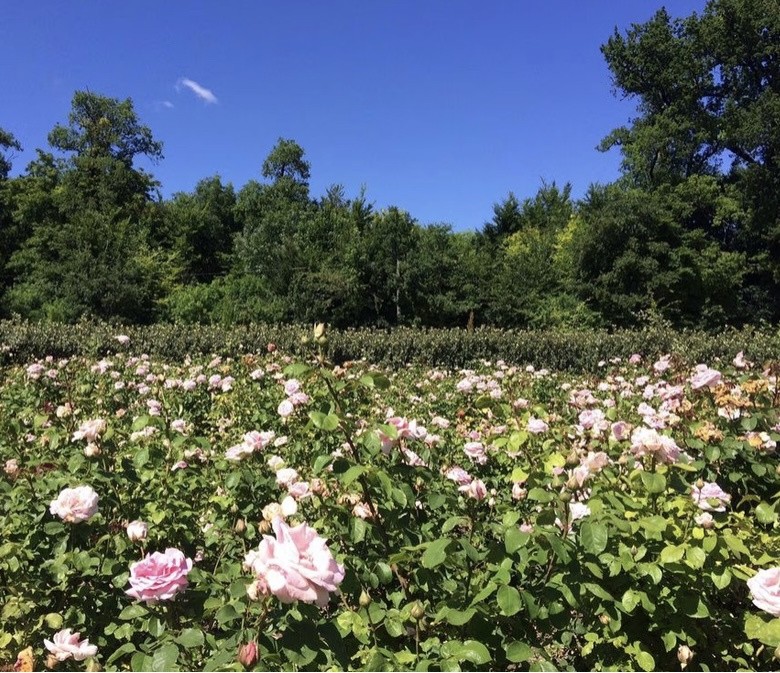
{"points": [[707, 432], [732, 399], [755, 386]]}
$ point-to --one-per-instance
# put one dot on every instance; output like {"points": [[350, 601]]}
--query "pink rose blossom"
{"points": [[74, 505], [646, 441], [90, 430], [67, 645], [704, 377], [476, 489], [11, 467], [710, 491], [475, 451], [285, 408], [765, 590], [291, 387], [295, 565], [635, 359], [458, 475], [519, 492], [620, 430], [286, 477], [258, 440], [299, 489], [740, 362], [159, 577], [536, 426]]}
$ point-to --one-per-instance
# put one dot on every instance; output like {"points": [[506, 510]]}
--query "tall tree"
{"points": [[88, 248], [708, 95]]}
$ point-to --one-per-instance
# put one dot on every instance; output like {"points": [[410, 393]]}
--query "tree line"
{"points": [[689, 232]]}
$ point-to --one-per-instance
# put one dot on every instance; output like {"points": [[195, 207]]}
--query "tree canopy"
{"points": [[689, 232]]}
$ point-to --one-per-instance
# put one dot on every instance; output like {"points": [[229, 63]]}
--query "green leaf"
{"points": [[357, 529], [473, 651], [191, 638], [593, 537], [645, 660], [328, 422], [53, 621], [630, 600], [672, 553], [352, 474], [765, 513], [120, 652], [695, 557], [53, 528], [459, 617], [653, 482], [518, 652], [767, 632], [436, 553], [509, 600], [514, 538], [227, 613], [540, 495], [165, 658], [133, 611], [295, 370]]}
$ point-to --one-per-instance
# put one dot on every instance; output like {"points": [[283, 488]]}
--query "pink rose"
{"points": [[536, 425], [646, 441], [291, 387], [67, 644], [765, 590], [476, 489], [458, 475], [74, 505], [710, 492], [475, 451], [704, 377], [159, 577], [285, 408], [90, 430], [620, 430], [295, 565]]}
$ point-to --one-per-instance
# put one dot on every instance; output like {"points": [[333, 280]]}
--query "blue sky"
{"points": [[440, 107]]}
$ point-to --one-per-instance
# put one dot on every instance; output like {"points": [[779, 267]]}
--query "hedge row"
{"points": [[562, 350]]}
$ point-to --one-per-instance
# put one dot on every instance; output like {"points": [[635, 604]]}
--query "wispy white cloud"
{"points": [[199, 90], [167, 103]]}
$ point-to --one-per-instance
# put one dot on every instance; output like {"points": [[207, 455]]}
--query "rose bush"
{"points": [[501, 517]]}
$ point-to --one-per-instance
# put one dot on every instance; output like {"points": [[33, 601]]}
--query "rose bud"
{"points": [[247, 654], [684, 655], [240, 526], [137, 531], [91, 450]]}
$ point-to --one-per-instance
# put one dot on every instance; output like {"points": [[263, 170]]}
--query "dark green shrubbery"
{"points": [[565, 350]]}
